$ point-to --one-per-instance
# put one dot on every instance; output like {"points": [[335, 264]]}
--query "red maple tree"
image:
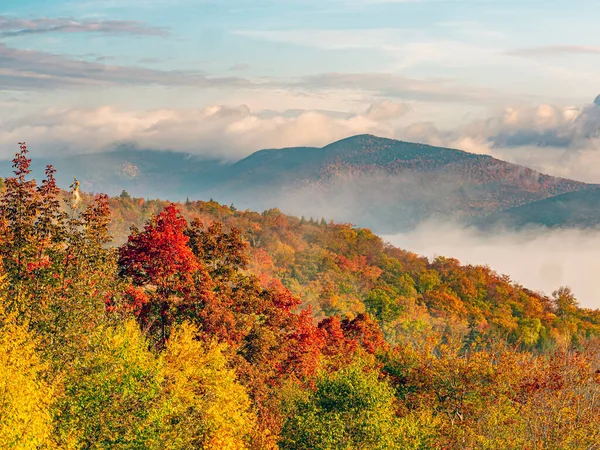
{"points": [[160, 260]]}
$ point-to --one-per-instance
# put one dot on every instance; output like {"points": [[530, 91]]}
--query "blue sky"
{"points": [[228, 77]]}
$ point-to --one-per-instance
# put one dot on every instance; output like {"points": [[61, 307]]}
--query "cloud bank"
{"points": [[216, 131], [558, 140]]}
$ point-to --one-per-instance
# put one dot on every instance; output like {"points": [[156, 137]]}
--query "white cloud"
{"points": [[562, 141], [215, 131], [386, 110]]}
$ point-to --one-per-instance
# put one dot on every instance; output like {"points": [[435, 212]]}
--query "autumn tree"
{"points": [[224, 253], [203, 405], [26, 396], [383, 305], [564, 301], [58, 267], [19, 207], [159, 260], [110, 393]]}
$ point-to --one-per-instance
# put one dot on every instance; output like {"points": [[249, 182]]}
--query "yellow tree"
{"points": [[25, 398], [203, 407]]}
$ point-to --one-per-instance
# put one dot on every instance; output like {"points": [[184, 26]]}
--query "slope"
{"points": [[384, 184], [580, 209], [338, 269]]}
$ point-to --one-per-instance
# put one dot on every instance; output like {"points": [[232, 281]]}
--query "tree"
{"points": [[349, 409], [308, 343], [160, 260], [383, 306], [26, 398], [111, 392], [203, 405], [224, 254], [19, 208], [58, 268], [564, 301]]}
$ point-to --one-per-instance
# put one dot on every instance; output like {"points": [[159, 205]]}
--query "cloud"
{"points": [[29, 69], [216, 131], [390, 85], [23, 70], [386, 110], [559, 140], [10, 27], [555, 50], [405, 47]]}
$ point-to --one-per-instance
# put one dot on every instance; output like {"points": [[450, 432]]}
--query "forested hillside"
{"points": [[339, 269], [208, 327], [579, 209]]}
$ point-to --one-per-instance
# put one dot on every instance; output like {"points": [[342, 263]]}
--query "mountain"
{"points": [[580, 209], [384, 184], [146, 173]]}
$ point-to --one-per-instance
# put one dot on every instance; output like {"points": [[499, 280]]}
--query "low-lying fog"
{"points": [[539, 259]]}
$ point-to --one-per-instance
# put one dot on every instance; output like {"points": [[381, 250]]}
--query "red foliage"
{"points": [[136, 299], [160, 255], [336, 342], [365, 332], [281, 297], [343, 337], [160, 260], [217, 318], [308, 342]]}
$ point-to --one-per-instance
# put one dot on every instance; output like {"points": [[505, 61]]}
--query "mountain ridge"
{"points": [[406, 182], [381, 183]]}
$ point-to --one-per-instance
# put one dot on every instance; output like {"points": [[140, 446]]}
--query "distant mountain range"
{"points": [[384, 184]]}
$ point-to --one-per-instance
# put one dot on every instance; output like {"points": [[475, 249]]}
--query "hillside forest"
{"points": [[134, 324]]}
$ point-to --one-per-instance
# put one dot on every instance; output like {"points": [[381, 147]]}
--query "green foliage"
{"points": [[383, 306], [111, 392], [349, 409]]}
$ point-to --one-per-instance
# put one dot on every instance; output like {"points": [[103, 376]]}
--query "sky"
{"points": [[515, 79]]}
